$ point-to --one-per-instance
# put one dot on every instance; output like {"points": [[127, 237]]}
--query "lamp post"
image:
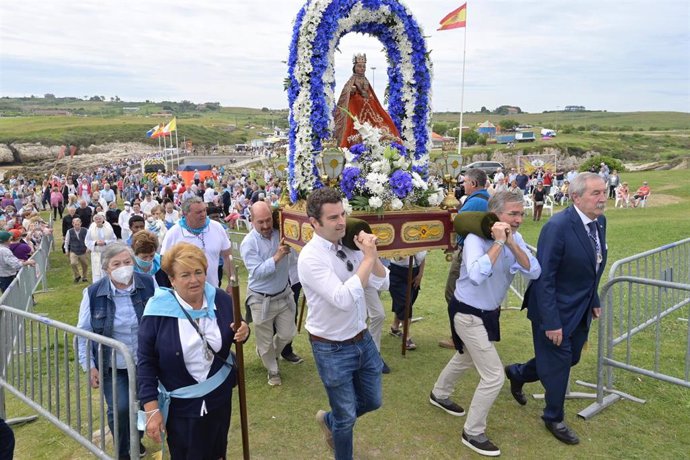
{"points": [[373, 78]]}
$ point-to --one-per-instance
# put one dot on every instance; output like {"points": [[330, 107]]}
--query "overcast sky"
{"points": [[540, 55]]}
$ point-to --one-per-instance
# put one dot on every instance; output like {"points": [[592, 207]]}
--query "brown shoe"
{"points": [[447, 343], [328, 435]]}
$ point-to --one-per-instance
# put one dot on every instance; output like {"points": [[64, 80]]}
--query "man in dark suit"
{"points": [[561, 303]]}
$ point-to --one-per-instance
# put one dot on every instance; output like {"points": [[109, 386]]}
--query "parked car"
{"points": [[489, 167]]}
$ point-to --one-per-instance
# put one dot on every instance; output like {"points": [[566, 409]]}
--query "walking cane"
{"points": [[239, 356], [301, 313], [408, 305]]}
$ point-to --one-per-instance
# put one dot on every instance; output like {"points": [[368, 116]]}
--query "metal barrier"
{"points": [[519, 285], [41, 369], [38, 364], [643, 291], [235, 242], [667, 263]]}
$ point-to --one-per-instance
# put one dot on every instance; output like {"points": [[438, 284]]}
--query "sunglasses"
{"points": [[340, 254]]}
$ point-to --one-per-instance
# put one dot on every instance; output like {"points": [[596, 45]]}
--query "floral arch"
{"points": [[319, 26]]}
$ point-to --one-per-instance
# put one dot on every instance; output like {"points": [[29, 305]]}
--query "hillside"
{"points": [[630, 137]]}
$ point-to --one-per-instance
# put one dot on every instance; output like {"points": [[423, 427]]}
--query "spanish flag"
{"points": [[456, 19]]}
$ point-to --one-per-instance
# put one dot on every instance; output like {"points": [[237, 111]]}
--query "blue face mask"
{"points": [[143, 264]]}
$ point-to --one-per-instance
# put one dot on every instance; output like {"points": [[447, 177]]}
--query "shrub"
{"points": [[612, 163]]}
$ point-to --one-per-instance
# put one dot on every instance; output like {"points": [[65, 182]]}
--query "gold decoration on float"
{"points": [[423, 231]]}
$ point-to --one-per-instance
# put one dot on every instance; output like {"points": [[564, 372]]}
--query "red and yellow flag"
{"points": [[455, 19]]}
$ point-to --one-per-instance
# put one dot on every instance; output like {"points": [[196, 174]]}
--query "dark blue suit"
{"points": [[562, 297]]}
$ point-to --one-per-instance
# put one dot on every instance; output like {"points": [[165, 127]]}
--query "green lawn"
{"points": [[281, 419]]}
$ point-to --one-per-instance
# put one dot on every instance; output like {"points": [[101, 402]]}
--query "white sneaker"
{"points": [[274, 379]]}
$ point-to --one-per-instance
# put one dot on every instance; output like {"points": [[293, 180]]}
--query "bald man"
{"points": [[269, 296]]}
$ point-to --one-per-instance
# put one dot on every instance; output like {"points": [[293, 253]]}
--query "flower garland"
{"points": [[311, 79]]}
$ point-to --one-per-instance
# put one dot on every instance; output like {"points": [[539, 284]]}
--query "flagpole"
{"points": [[177, 146], [462, 87]]}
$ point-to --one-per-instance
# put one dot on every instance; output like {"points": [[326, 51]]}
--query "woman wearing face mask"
{"points": [[113, 307], [146, 258]]}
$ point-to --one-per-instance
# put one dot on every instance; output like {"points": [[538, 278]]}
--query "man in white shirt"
{"points": [[487, 269], [148, 204], [209, 194], [197, 229], [334, 278]]}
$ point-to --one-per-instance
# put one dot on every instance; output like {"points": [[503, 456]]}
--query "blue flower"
{"points": [[351, 178], [358, 150], [402, 151], [401, 183]]}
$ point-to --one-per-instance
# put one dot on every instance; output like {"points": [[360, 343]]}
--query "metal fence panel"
{"points": [[645, 328]]}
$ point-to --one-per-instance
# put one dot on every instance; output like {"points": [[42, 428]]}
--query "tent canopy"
{"points": [[192, 167]]}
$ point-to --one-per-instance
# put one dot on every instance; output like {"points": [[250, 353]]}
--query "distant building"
{"points": [[512, 110], [52, 112], [487, 128], [574, 108]]}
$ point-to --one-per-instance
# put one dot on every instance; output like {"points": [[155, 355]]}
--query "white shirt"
{"points": [[209, 194], [405, 261], [213, 240], [586, 220], [483, 285], [192, 345], [147, 206], [337, 306]]}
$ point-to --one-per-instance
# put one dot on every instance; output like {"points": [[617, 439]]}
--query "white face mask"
{"points": [[122, 275]]}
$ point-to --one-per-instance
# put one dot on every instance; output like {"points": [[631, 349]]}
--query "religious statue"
{"points": [[359, 99]]}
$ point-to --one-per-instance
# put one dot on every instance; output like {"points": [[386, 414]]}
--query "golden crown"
{"points": [[359, 58]]}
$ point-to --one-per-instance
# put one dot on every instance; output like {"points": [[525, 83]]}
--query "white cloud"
{"points": [[629, 55]]}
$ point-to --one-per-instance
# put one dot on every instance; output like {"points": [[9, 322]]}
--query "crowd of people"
{"points": [[153, 253]]}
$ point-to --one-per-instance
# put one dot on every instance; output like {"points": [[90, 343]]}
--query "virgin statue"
{"points": [[359, 99]]}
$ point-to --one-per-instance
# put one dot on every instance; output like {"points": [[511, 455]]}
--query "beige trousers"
{"points": [[479, 352]]}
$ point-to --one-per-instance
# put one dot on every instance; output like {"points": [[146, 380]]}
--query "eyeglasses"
{"points": [[340, 254]]}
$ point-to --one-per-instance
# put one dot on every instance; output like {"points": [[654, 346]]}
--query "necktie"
{"points": [[592, 232]]}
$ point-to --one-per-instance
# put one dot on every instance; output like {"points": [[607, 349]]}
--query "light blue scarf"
{"points": [[164, 303], [195, 231]]}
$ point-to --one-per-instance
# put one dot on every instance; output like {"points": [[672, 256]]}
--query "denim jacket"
{"points": [[103, 309]]}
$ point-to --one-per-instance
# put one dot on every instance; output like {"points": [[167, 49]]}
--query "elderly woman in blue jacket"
{"points": [[113, 307], [185, 367]]}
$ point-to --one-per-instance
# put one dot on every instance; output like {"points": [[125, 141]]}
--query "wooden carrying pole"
{"points": [[239, 357], [408, 305]]}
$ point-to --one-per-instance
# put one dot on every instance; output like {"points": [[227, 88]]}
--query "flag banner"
{"points": [[152, 131], [455, 19], [61, 153], [530, 163], [170, 127], [158, 132]]}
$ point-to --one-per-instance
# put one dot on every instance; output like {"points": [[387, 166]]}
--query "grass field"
{"points": [[281, 419]]}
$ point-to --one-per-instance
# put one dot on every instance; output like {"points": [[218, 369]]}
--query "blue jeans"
{"points": [[351, 374], [122, 388]]}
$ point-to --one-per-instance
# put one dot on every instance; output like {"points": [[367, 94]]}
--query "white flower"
{"points": [[396, 203], [375, 202], [418, 182], [435, 199], [375, 182], [381, 166], [347, 206]]}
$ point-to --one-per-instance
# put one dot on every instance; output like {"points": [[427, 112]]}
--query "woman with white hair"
{"points": [[99, 235]]}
